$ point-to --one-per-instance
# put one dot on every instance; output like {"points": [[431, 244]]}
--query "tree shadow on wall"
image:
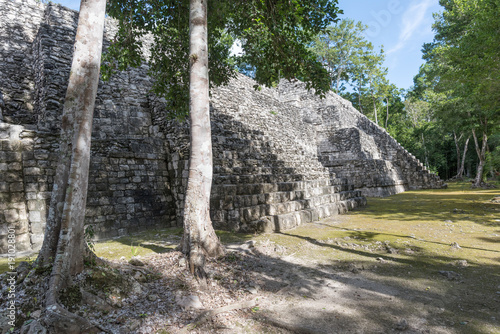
{"points": [[329, 295], [245, 161], [17, 77]]}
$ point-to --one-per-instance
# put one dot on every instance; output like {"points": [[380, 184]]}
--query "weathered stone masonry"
{"points": [[128, 182], [282, 156]]}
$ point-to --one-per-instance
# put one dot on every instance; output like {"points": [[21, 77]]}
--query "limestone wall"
{"points": [[267, 172], [128, 182], [282, 157], [356, 149]]}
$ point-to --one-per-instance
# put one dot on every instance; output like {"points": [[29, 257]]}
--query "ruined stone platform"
{"points": [[282, 156]]}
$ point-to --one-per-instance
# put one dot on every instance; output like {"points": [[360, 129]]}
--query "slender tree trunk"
{"points": [[457, 147], [466, 145], [64, 236], [199, 238], [462, 165], [387, 112], [375, 109], [481, 154], [426, 162], [374, 104], [359, 98], [337, 84]]}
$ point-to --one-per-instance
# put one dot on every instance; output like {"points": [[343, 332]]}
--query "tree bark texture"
{"points": [[481, 154], [199, 238], [457, 147], [387, 112], [460, 161], [375, 109], [374, 103], [64, 236], [359, 98], [462, 166], [426, 162]]}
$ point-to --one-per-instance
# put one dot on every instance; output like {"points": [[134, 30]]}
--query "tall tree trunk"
{"points": [[359, 98], [64, 236], [462, 166], [199, 238], [337, 84], [374, 107], [481, 154], [457, 147], [387, 112], [375, 110], [426, 160]]}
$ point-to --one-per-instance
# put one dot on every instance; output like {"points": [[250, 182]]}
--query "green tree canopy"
{"points": [[464, 65], [273, 34]]}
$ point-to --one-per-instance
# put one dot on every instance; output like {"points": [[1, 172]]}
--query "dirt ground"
{"points": [[418, 262]]}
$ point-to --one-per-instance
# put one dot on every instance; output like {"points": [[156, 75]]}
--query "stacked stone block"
{"points": [[267, 174], [18, 27], [128, 181], [282, 157], [354, 148], [13, 210]]}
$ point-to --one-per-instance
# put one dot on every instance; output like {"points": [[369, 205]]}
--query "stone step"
{"points": [[279, 201], [253, 170], [251, 211], [291, 220], [259, 217], [257, 178], [272, 160], [225, 188]]}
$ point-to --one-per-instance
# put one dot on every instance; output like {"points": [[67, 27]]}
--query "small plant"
{"points": [[134, 250], [89, 236], [232, 257], [273, 112]]}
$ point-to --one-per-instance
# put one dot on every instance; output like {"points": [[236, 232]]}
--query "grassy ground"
{"points": [[412, 241], [426, 228], [420, 226], [404, 240]]}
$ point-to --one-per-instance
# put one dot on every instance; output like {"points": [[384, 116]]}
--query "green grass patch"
{"points": [[4, 262], [406, 240], [139, 244]]}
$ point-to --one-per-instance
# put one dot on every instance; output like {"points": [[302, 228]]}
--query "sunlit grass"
{"points": [[153, 242], [139, 244], [421, 225], [403, 240]]}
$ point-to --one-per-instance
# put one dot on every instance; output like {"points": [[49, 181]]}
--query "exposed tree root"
{"points": [[57, 319], [290, 327], [483, 185], [207, 315]]}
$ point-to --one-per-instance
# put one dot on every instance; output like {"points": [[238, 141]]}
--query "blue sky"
{"points": [[401, 26]]}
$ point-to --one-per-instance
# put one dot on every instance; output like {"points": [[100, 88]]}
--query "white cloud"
{"points": [[411, 21]]}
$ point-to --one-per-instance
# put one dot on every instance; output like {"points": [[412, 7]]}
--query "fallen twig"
{"points": [[289, 327], [204, 316]]}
